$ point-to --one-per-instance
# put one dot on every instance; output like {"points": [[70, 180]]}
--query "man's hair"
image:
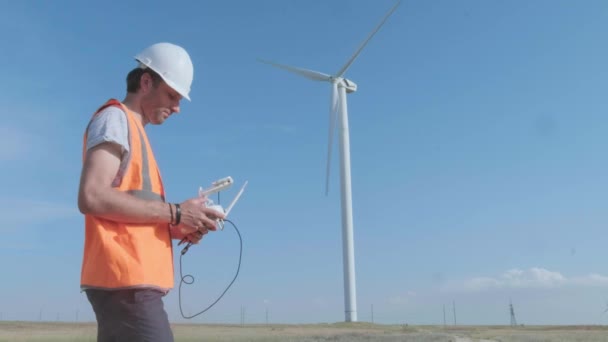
{"points": [[134, 77]]}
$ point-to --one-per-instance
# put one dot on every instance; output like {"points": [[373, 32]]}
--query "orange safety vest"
{"points": [[121, 255]]}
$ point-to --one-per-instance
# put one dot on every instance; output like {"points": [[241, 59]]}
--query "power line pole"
{"points": [[372, 313], [513, 321], [444, 324], [242, 316], [454, 306]]}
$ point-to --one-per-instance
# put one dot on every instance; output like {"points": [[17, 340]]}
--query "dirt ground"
{"points": [[341, 332]]}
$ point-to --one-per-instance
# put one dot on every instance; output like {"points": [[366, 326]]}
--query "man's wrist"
{"points": [[178, 214], [171, 212]]}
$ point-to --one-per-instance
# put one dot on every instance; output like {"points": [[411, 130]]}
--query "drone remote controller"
{"points": [[218, 208], [216, 187]]}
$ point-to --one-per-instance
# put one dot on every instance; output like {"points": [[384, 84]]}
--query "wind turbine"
{"points": [[338, 113]]}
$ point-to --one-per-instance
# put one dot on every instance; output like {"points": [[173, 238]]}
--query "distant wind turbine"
{"points": [[338, 113]]}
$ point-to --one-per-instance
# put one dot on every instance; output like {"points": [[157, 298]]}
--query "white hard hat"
{"points": [[172, 63]]}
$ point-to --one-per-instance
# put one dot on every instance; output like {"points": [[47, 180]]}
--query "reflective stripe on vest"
{"points": [[126, 255], [145, 192]]}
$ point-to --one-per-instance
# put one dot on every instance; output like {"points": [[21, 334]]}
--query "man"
{"points": [[128, 259]]}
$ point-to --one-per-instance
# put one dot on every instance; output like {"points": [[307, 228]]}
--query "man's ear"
{"points": [[145, 83]]}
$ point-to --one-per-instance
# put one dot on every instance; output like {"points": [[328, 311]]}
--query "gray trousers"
{"points": [[134, 315]]}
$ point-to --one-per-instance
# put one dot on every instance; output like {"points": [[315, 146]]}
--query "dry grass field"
{"points": [[341, 332]]}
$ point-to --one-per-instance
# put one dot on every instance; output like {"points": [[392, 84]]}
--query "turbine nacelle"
{"points": [[349, 85]]}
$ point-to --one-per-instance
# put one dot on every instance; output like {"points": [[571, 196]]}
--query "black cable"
{"points": [[189, 279]]}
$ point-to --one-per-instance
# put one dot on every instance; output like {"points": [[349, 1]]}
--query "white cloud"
{"points": [[19, 212], [402, 299], [11, 245], [532, 278], [591, 280], [320, 303], [15, 143], [279, 128], [271, 127]]}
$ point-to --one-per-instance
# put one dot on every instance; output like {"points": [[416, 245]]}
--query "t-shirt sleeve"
{"points": [[110, 125]]}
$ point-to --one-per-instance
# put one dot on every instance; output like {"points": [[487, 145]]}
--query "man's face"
{"points": [[158, 102]]}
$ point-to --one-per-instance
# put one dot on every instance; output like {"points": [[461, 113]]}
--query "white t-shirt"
{"points": [[110, 125]]}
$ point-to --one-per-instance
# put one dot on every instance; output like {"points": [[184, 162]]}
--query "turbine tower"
{"points": [[338, 115]]}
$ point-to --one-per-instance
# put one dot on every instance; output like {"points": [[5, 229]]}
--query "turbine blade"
{"points": [[333, 116], [354, 56], [313, 75]]}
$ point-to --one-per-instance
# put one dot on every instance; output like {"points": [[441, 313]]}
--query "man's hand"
{"points": [[195, 217], [196, 237], [177, 232]]}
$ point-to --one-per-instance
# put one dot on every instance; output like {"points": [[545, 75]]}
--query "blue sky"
{"points": [[478, 139]]}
